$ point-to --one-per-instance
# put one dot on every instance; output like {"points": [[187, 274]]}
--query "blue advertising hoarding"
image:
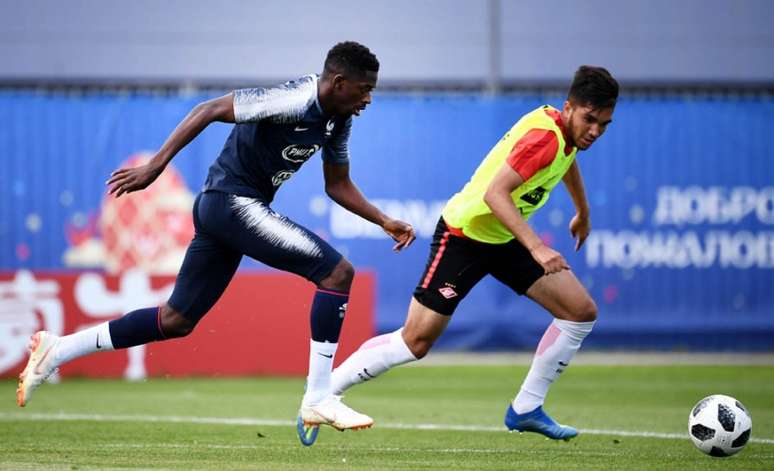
{"points": [[681, 189]]}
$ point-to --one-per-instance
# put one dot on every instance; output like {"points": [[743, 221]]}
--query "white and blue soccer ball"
{"points": [[719, 425]]}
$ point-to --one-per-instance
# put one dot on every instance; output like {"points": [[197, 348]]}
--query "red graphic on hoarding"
{"points": [[26, 306], [259, 326]]}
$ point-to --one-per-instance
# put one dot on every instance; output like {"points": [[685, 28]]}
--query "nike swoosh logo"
{"points": [[98, 346], [324, 355], [37, 367], [563, 363], [300, 129]]}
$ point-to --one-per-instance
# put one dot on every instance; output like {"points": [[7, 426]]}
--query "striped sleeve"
{"points": [[533, 152], [284, 103]]}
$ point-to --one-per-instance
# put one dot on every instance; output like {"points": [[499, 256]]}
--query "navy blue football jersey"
{"points": [[277, 129]]}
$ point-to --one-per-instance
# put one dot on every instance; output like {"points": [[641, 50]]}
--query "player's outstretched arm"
{"points": [[127, 180], [498, 198], [580, 225], [341, 189]]}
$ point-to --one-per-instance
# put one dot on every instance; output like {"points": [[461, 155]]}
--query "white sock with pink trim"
{"points": [[374, 357], [554, 352]]}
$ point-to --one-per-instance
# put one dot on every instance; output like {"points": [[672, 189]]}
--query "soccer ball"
{"points": [[719, 425]]}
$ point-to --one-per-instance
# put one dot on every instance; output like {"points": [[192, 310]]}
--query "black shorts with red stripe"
{"points": [[457, 263]]}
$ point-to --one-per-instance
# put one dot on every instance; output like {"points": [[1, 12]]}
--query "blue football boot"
{"points": [[306, 433], [539, 422]]}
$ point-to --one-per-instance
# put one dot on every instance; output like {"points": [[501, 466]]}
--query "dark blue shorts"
{"points": [[229, 226]]}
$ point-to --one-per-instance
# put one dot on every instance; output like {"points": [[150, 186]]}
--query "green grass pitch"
{"points": [[440, 417]]}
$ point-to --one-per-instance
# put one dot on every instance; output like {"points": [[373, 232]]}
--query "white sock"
{"points": [[374, 357], [318, 382], [93, 339], [557, 347]]}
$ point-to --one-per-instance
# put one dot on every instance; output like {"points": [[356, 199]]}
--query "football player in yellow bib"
{"points": [[483, 230]]}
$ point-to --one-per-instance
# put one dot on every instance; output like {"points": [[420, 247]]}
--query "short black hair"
{"points": [[593, 86], [350, 58]]}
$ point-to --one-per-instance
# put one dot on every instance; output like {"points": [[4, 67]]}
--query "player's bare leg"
{"points": [[575, 313], [379, 354], [422, 329]]}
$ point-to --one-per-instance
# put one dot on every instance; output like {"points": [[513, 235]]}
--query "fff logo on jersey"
{"points": [[299, 153]]}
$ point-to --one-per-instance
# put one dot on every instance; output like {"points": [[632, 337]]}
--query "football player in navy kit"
{"points": [[277, 130]]}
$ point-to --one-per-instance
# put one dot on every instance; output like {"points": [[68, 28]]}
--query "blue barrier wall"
{"points": [[681, 192]]}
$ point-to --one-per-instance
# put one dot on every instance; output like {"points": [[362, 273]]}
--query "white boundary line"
{"points": [[457, 450], [5, 416], [592, 357]]}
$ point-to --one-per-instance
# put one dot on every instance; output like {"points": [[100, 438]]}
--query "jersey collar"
{"points": [[554, 114]]}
